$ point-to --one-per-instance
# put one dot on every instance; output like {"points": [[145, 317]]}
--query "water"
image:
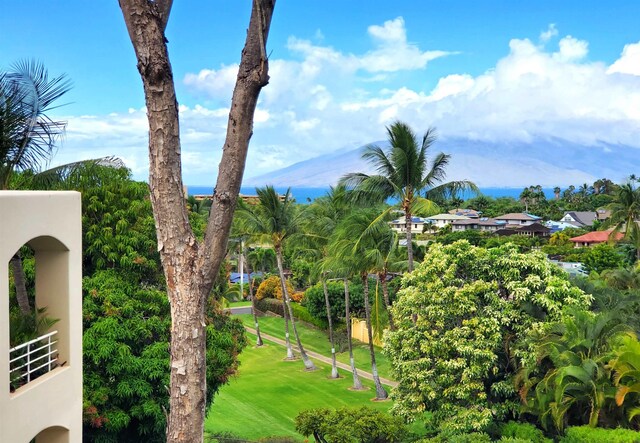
{"points": [[306, 195]]}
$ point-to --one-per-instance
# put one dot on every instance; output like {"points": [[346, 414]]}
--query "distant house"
{"points": [[442, 220], [533, 230], [470, 213], [482, 224], [417, 224], [594, 238], [235, 277], [603, 214], [518, 218], [557, 226], [580, 219]]}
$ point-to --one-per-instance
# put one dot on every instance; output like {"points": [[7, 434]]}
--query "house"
{"points": [[580, 219], [533, 230], [603, 214], [470, 213], [572, 268], [557, 226], [483, 224], [42, 397], [594, 238], [442, 220], [399, 225], [518, 218]]}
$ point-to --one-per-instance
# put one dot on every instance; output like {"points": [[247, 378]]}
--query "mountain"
{"points": [[545, 162]]}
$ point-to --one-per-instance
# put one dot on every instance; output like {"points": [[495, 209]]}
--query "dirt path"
{"points": [[325, 359]]}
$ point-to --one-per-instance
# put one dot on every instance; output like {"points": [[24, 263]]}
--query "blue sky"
{"points": [[341, 70]]}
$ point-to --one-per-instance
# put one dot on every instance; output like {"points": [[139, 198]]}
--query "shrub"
{"points": [[586, 434], [270, 305], [514, 432], [297, 296], [272, 288], [301, 313]]}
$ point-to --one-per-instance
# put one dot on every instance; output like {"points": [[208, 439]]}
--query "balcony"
{"points": [[32, 359]]}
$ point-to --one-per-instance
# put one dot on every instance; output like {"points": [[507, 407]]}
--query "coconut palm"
{"points": [[275, 221], [556, 192], [253, 302], [320, 221], [405, 173], [363, 253], [625, 213]]}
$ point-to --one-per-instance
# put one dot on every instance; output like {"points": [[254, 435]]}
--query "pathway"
{"points": [[323, 358]]}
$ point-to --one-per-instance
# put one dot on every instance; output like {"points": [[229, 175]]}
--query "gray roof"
{"points": [[518, 216], [586, 218]]}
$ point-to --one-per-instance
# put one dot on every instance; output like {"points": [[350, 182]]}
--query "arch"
{"points": [[53, 434]]}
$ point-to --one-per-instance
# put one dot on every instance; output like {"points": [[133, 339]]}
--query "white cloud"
{"points": [[321, 98], [551, 32], [629, 61]]}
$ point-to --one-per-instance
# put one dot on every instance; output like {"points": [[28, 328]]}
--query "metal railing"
{"points": [[32, 359]]}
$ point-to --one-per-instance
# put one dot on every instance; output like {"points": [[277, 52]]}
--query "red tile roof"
{"points": [[596, 237]]}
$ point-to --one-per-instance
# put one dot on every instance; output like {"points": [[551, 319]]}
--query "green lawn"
{"points": [[239, 304], [316, 340], [268, 393]]}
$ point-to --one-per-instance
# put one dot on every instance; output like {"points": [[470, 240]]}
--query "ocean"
{"points": [[307, 195]]}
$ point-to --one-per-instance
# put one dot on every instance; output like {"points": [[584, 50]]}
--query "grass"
{"points": [[268, 393], [316, 340], [239, 304]]}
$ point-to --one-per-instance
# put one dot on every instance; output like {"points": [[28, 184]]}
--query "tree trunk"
{"points": [[253, 305], [190, 268], [357, 384], [20, 282], [327, 303], [382, 278], [381, 394], [407, 225], [287, 337], [308, 364]]}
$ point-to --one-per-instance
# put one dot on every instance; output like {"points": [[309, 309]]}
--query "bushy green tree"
{"points": [[463, 317], [315, 303], [601, 257], [126, 358]]}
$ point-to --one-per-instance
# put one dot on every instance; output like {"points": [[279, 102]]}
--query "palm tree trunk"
{"points": [[253, 306], [357, 384], [381, 394], [308, 364], [20, 283], [382, 278], [407, 224], [287, 340], [327, 303]]}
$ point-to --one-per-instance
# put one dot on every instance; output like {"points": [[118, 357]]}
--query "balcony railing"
{"points": [[32, 359]]}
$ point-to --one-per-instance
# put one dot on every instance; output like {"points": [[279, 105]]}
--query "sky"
{"points": [[341, 70]]}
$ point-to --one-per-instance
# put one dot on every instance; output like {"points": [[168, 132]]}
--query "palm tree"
{"points": [[320, 221], [276, 221], [253, 301], [625, 213], [556, 192], [525, 197], [405, 173], [363, 255]]}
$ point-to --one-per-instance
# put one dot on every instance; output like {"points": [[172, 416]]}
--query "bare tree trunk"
{"points": [[327, 303], [190, 268], [253, 305], [381, 394], [308, 364], [382, 278], [357, 384], [407, 225], [287, 336], [20, 282]]}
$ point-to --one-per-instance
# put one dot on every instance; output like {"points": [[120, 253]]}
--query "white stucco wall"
{"points": [[49, 407]]}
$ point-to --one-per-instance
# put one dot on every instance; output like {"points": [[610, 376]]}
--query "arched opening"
{"points": [[54, 434], [38, 310]]}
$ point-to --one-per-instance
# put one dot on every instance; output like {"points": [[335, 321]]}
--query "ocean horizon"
{"points": [[307, 195]]}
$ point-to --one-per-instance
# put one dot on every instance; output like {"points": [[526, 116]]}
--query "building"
{"points": [[594, 238], [603, 214], [442, 220], [580, 219], [42, 397], [470, 213], [518, 219], [482, 224], [532, 230], [417, 224]]}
